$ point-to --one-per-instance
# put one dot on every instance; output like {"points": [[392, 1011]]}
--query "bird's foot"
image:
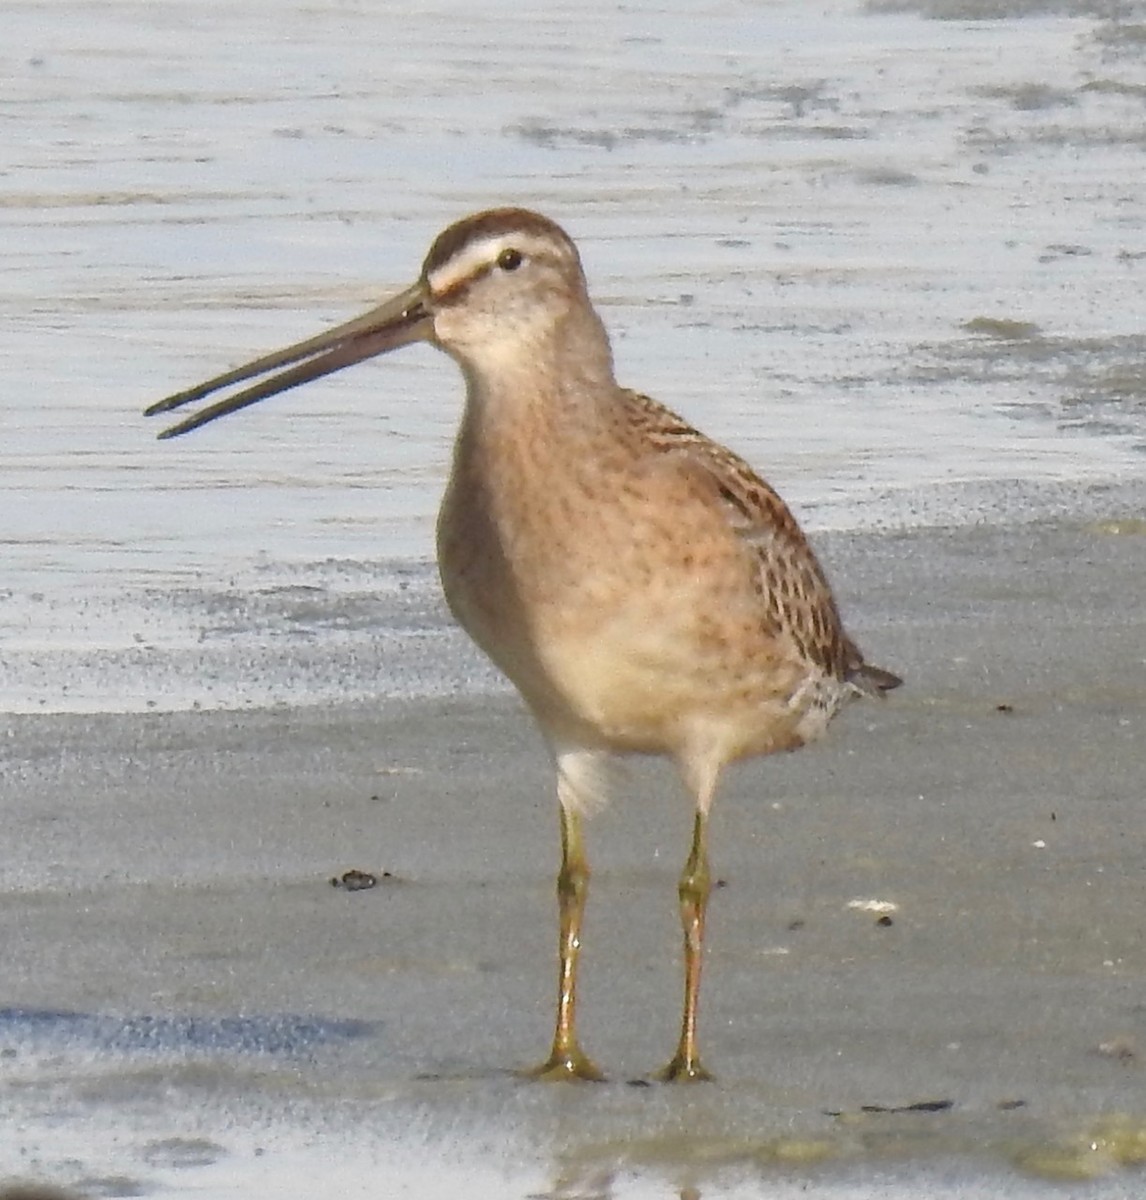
{"points": [[566, 1066], [684, 1069]]}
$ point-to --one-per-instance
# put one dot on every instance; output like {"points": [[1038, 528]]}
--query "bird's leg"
{"points": [[694, 887], [567, 1060]]}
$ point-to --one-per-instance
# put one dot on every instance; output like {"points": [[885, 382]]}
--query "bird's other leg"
{"points": [[567, 1060], [694, 888]]}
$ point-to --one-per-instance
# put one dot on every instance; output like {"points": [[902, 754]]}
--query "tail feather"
{"points": [[873, 681]]}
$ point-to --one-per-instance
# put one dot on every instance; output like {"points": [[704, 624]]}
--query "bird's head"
{"points": [[494, 288]]}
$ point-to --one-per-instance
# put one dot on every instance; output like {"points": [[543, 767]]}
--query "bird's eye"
{"points": [[510, 259]]}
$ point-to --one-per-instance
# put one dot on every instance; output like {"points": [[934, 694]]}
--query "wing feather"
{"points": [[796, 598]]}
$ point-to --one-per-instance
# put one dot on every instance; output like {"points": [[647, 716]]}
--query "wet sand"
{"points": [[179, 972]]}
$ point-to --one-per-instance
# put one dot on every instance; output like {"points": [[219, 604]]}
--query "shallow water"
{"points": [[895, 260]]}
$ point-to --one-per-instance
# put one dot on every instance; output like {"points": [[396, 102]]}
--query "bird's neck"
{"points": [[558, 385]]}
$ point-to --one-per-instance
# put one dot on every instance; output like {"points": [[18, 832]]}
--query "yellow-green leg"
{"points": [[694, 887], [567, 1060]]}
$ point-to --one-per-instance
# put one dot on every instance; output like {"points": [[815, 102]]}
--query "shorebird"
{"points": [[643, 589]]}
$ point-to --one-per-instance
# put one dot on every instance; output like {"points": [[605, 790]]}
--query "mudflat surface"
{"points": [[190, 1003]]}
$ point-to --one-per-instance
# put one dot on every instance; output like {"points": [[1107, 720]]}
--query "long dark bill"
{"points": [[398, 322]]}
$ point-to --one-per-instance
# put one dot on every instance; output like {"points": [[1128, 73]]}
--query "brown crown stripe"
{"points": [[489, 224]]}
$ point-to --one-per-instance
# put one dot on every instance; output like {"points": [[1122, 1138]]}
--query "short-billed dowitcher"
{"points": [[644, 590]]}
